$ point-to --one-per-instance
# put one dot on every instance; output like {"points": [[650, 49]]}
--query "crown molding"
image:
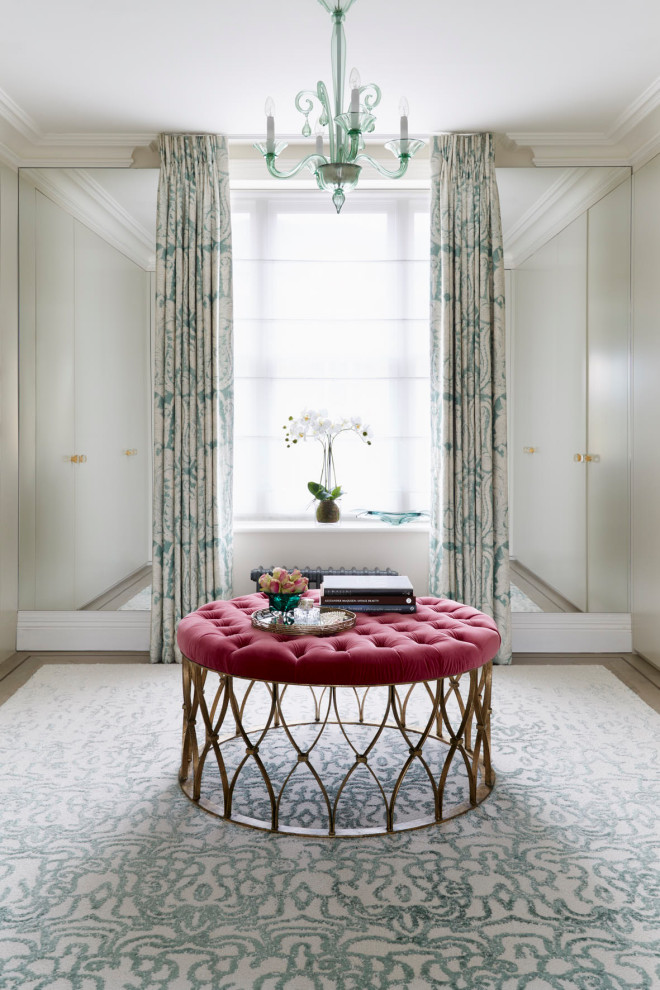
{"points": [[8, 157], [568, 198], [636, 112], [82, 196], [632, 139], [19, 119]]}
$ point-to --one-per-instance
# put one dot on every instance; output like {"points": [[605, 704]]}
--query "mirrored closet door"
{"points": [[569, 318], [85, 389]]}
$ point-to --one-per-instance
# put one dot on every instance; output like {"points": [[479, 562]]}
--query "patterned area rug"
{"points": [[520, 602], [138, 603], [111, 878]]}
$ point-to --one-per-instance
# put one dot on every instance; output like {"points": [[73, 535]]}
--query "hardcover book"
{"points": [[348, 600], [377, 608], [360, 584]]}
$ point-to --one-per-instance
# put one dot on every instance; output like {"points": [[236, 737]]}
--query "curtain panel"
{"points": [[469, 542], [193, 386]]}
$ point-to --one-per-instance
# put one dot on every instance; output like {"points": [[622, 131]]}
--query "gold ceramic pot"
{"points": [[327, 511]]}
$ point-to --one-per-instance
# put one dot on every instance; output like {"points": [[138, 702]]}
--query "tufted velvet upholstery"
{"points": [[441, 639]]}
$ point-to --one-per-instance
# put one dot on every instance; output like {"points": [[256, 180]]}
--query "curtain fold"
{"points": [[469, 544], [193, 386]]}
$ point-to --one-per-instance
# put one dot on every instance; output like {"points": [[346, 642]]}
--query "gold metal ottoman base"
{"points": [[453, 745]]}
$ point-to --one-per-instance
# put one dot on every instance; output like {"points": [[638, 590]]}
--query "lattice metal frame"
{"points": [[469, 741]]}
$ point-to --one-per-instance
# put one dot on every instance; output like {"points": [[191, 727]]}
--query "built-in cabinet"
{"points": [[646, 412], [570, 322], [85, 418]]}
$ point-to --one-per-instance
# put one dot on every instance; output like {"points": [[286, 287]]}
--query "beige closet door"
{"points": [[608, 499], [549, 520], [112, 380]]}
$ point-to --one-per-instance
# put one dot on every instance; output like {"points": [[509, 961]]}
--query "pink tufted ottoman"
{"points": [[381, 728]]}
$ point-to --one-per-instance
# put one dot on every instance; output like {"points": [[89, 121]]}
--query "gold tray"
{"points": [[333, 620]]}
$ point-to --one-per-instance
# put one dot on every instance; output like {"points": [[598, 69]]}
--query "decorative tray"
{"points": [[393, 518], [332, 620]]}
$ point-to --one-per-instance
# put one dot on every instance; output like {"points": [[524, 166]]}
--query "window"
{"points": [[331, 313]]}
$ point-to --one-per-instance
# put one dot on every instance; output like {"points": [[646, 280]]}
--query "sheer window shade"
{"points": [[331, 313]]}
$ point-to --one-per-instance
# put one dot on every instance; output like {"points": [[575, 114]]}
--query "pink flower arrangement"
{"points": [[280, 582]]}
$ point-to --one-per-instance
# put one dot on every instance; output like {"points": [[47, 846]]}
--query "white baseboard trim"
{"points": [[571, 632], [112, 631], [533, 632]]}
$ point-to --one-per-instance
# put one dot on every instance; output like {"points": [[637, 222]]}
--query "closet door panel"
{"points": [[112, 373], [608, 500], [54, 510], [550, 412]]}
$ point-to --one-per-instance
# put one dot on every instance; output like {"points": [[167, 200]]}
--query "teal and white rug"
{"points": [[110, 879]]}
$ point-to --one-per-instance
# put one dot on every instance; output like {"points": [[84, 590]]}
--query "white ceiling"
{"points": [[138, 67], [84, 83]]}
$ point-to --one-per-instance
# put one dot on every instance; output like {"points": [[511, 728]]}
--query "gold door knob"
{"points": [[530, 450], [578, 458], [78, 458], [130, 453]]}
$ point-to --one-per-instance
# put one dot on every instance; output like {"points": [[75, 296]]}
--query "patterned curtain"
{"points": [[469, 546], [193, 392]]}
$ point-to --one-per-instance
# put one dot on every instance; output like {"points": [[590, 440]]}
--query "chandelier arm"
{"points": [[309, 96], [324, 100], [396, 174], [370, 101], [277, 174], [354, 145]]}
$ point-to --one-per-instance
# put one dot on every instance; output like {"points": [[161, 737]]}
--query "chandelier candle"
{"points": [[339, 171], [403, 110], [270, 125]]}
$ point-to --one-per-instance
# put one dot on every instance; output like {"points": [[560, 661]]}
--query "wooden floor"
{"points": [[638, 674]]}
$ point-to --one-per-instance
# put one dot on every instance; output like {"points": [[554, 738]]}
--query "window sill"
{"points": [[310, 526]]}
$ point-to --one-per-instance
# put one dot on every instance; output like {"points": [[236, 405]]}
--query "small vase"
{"points": [[282, 606], [327, 511]]}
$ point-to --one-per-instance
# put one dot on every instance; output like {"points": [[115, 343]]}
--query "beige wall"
{"points": [[8, 410], [646, 412]]}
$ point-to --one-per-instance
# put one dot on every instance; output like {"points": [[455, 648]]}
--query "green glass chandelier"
{"points": [[340, 170]]}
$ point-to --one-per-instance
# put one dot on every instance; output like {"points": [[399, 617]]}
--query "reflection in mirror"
{"points": [[86, 295], [86, 287], [567, 254]]}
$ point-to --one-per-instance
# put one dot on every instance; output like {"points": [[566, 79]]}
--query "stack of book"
{"points": [[368, 592]]}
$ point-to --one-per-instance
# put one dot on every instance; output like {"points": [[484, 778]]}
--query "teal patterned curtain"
{"points": [[469, 546], [193, 393]]}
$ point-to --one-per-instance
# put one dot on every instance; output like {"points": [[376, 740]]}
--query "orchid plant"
{"points": [[280, 582], [313, 425]]}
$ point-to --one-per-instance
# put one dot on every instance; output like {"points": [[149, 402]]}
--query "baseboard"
{"points": [[571, 632], [83, 630], [533, 632]]}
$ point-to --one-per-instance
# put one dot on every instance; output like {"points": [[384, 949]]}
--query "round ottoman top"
{"points": [[442, 639]]}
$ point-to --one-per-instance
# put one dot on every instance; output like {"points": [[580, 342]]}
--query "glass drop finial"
{"points": [[338, 199], [307, 130]]}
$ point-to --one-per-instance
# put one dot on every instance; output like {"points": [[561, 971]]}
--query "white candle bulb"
{"points": [[269, 110], [354, 82], [404, 111]]}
